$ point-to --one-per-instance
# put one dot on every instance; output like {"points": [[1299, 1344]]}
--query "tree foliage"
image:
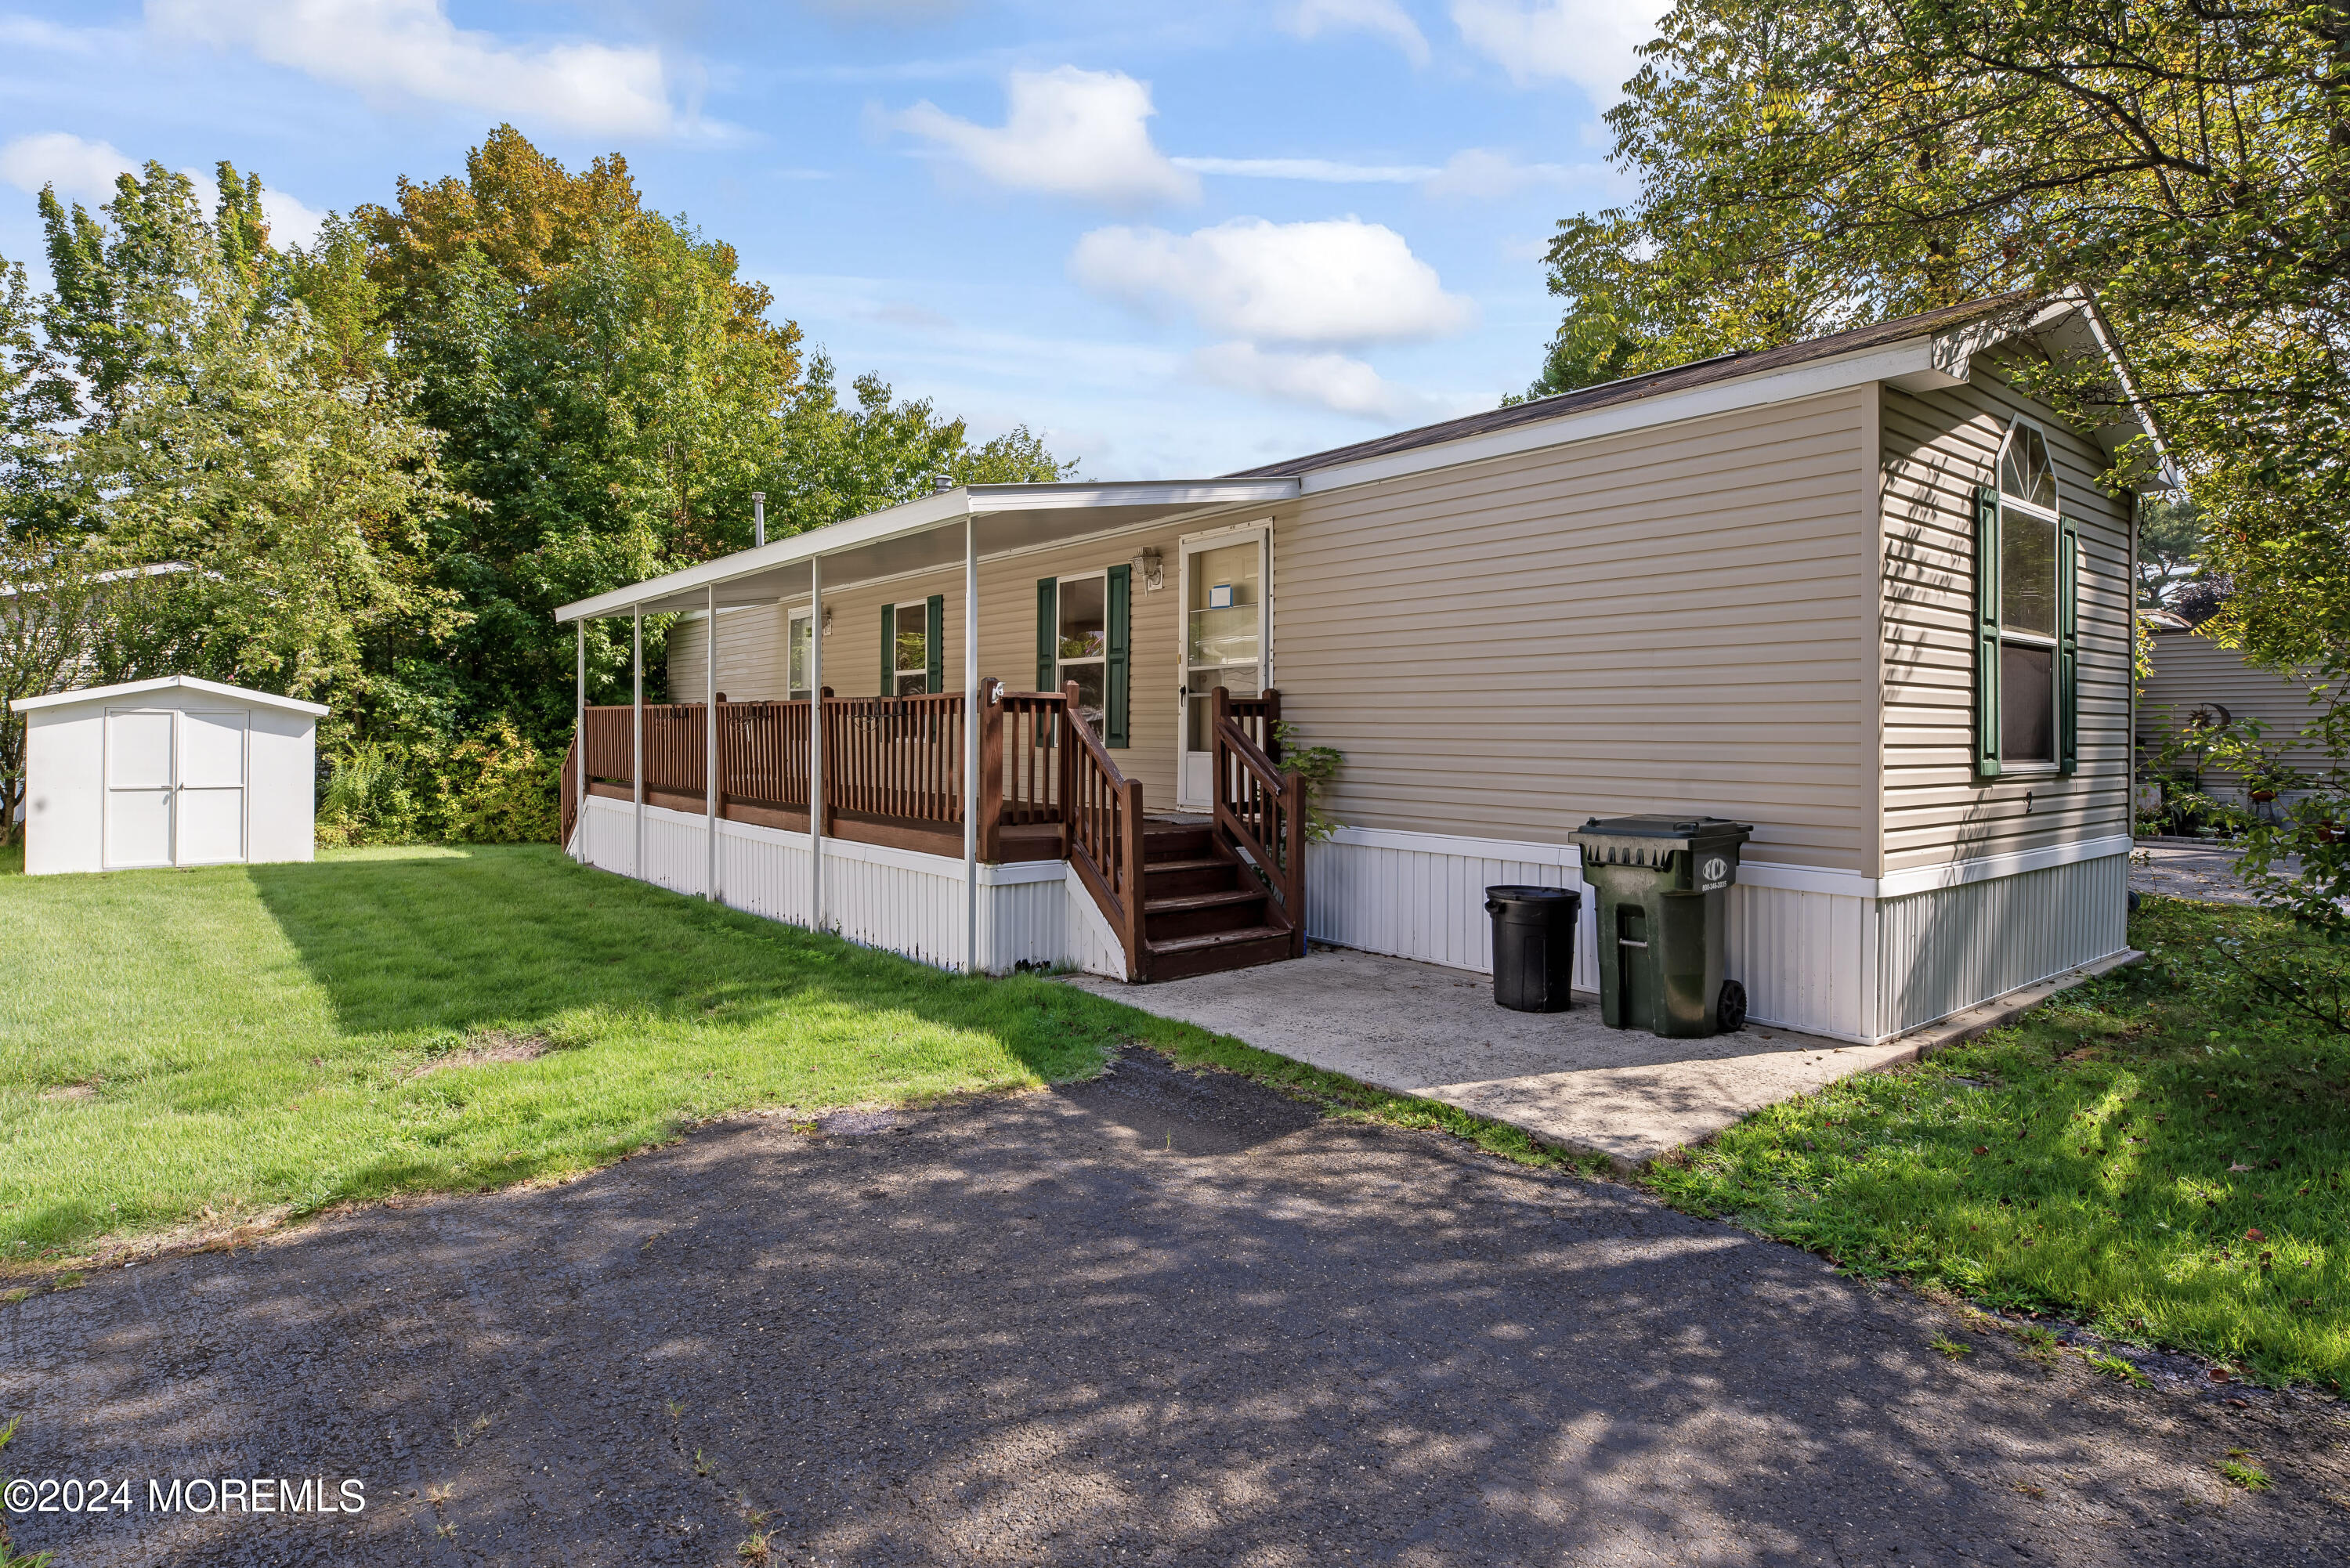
{"points": [[1809, 165], [385, 458]]}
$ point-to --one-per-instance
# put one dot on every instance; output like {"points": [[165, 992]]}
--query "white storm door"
{"points": [[1223, 629], [212, 789], [140, 776]]}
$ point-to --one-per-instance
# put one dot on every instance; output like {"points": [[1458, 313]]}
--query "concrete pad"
{"points": [[1565, 1078]]}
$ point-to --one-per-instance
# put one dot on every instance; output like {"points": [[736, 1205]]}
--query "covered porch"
{"points": [[988, 828]]}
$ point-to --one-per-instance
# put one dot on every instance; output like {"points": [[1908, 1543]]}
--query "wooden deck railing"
{"points": [[569, 789], [1260, 810], [892, 765], [1258, 717], [1103, 809]]}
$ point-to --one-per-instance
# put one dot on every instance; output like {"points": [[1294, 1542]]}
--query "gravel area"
{"points": [[1161, 1318]]}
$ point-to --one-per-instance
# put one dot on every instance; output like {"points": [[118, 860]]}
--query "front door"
{"points": [[1223, 634], [139, 788], [211, 810]]}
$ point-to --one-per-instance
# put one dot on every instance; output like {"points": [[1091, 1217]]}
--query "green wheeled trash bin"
{"points": [[1662, 922]]}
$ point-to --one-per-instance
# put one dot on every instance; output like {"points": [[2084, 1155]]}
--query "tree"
{"points": [[2170, 544], [224, 432], [1807, 165]]}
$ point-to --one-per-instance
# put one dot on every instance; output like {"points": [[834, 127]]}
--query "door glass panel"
{"points": [[1224, 629], [1240, 679], [211, 750]]}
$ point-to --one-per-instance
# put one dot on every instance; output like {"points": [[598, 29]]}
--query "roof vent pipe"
{"points": [[941, 483], [758, 517]]}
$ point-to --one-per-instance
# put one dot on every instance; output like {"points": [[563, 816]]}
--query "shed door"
{"points": [[211, 788], [139, 789]]}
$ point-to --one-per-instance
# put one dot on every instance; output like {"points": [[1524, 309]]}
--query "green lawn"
{"points": [[2163, 1153], [246, 1040]]}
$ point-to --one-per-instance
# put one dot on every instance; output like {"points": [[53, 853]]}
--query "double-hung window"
{"points": [[1084, 633], [913, 647], [802, 644], [2026, 642]]}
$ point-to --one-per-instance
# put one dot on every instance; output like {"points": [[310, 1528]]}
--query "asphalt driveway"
{"points": [[1157, 1318]]}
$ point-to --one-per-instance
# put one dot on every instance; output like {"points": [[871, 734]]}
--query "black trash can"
{"points": [[1533, 946]]}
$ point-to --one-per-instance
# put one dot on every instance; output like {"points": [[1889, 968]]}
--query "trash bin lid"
{"points": [[1531, 895], [1650, 840]]}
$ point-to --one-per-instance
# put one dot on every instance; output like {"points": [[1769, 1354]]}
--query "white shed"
{"points": [[173, 772]]}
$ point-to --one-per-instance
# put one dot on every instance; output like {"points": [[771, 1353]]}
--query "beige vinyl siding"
{"points": [[1007, 640], [1675, 619], [2192, 671], [750, 667], [1938, 446]]}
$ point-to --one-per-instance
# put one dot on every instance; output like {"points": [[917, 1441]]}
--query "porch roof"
{"points": [[927, 534]]}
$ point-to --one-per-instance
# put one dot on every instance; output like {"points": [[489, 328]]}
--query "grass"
{"points": [[204, 1047], [2163, 1154]]}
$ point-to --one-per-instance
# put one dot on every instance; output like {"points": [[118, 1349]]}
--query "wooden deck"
{"points": [[1184, 896]]}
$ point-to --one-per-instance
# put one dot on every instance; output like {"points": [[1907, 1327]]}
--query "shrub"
{"points": [[493, 786]]}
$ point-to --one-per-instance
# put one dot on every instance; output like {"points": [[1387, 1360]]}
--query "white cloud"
{"points": [[1339, 281], [394, 49], [1316, 169], [1479, 173], [1311, 18], [1594, 44], [1335, 381], [81, 171], [291, 222], [33, 33], [1066, 132]]}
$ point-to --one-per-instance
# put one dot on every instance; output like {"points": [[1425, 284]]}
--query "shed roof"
{"points": [[167, 683]]}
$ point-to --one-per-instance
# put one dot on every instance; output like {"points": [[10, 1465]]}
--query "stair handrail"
{"points": [[1101, 811], [1259, 810], [570, 790]]}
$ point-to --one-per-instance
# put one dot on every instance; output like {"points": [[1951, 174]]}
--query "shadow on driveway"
{"points": [[1157, 1318]]}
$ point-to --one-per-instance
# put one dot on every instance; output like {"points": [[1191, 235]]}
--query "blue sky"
{"points": [[1177, 238]]}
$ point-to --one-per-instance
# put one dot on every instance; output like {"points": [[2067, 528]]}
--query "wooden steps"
{"points": [[1203, 911]]}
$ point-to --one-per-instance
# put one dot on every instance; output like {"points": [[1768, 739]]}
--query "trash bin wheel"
{"points": [[1731, 1013]]}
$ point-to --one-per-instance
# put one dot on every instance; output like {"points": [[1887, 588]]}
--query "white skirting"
{"points": [[1032, 914], [1849, 964]]}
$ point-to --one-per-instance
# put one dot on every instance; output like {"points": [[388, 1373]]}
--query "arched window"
{"points": [[2027, 649]]}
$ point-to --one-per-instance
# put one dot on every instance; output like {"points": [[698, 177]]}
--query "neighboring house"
{"points": [[2197, 684], [1858, 592]]}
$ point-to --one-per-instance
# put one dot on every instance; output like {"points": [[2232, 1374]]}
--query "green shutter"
{"points": [[934, 638], [1118, 653], [888, 650], [2068, 647], [1986, 737], [1048, 632]]}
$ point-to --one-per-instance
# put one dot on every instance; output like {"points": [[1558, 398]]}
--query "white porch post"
{"points": [[637, 722], [971, 744], [816, 741], [710, 738], [579, 730]]}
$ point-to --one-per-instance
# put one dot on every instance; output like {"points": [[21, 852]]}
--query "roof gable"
{"points": [[170, 683]]}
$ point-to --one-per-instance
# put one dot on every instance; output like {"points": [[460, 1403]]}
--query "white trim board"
{"points": [[1760, 873], [171, 684]]}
